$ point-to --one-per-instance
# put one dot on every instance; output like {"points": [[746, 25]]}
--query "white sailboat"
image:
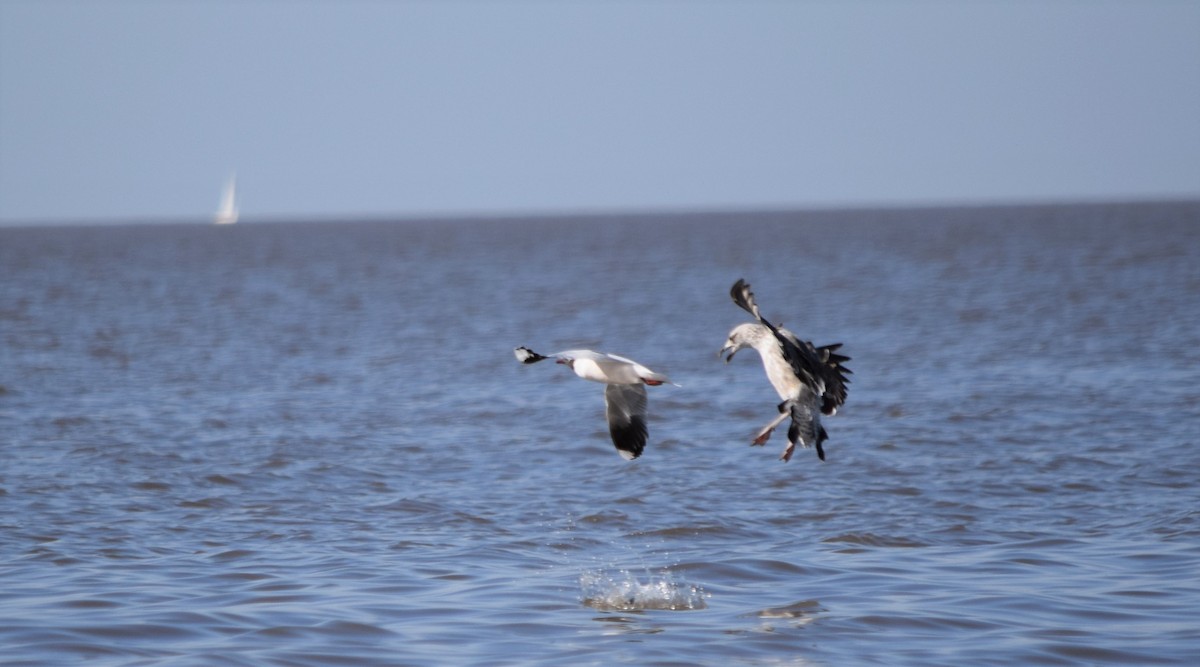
{"points": [[227, 212]]}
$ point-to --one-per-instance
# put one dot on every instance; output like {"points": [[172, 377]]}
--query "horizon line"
{"points": [[614, 212]]}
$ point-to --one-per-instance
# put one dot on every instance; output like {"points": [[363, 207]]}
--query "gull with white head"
{"points": [[810, 380], [624, 395]]}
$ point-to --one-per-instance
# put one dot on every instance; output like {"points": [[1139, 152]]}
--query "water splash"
{"points": [[622, 590]]}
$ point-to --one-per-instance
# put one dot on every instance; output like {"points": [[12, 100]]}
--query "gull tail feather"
{"points": [[806, 430]]}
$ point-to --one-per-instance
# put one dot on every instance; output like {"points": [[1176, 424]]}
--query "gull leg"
{"points": [[787, 452], [765, 432]]}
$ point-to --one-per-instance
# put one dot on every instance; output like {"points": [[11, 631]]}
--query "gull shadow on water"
{"points": [[794, 615], [628, 625]]}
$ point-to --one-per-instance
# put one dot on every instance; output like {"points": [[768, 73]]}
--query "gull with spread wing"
{"points": [[810, 380], [624, 395]]}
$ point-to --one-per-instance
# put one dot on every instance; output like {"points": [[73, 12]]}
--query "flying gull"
{"points": [[624, 395], [810, 380]]}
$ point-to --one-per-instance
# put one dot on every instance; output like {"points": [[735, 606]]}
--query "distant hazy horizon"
{"points": [[610, 214]]}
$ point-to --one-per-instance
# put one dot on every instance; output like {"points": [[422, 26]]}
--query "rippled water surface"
{"points": [[310, 444]]}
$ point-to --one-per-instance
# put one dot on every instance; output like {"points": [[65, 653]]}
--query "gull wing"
{"points": [[528, 356], [835, 379], [828, 367], [744, 298], [625, 405]]}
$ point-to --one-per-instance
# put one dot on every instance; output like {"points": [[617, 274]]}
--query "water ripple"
{"points": [[310, 445]]}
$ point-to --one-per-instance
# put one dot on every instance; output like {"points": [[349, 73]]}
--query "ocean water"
{"points": [[310, 443]]}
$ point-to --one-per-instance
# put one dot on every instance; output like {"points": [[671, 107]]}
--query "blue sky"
{"points": [[115, 110]]}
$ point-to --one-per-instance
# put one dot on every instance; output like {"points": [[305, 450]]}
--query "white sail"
{"points": [[227, 212]]}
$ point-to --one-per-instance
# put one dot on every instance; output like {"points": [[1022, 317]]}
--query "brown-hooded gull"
{"points": [[810, 380], [624, 393]]}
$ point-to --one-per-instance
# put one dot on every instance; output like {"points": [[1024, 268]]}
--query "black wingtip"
{"points": [[630, 438], [527, 356], [744, 298], [736, 290]]}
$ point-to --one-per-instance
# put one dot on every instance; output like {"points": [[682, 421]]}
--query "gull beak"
{"points": [[730, 349]]}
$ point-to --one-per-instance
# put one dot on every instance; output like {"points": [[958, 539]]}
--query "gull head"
{"points": [[742, 336]]}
